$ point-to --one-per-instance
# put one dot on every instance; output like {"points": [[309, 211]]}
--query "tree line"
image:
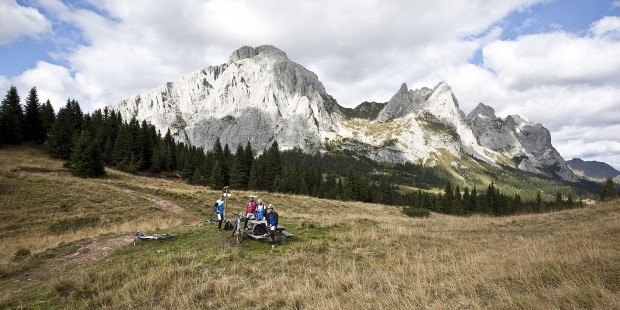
{"points": [[89, 142]]}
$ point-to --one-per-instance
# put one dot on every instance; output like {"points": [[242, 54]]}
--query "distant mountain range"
{"points": [[261, 96], [592, 169]]}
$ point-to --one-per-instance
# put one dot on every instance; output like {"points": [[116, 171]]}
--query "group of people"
{"points": [[254, 210]]}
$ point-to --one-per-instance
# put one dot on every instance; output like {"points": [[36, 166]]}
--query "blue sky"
{"points": [[554, 62]]}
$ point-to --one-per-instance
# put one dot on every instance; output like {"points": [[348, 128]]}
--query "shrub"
{"points": [[416, 212], [20, 254]]}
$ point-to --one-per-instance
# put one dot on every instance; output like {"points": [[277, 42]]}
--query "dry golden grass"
{"points": [[345, 256], [36, 192]]}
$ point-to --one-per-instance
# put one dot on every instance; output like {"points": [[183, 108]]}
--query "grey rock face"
{"points": [[261, 96], [404, 102], [490, 131], [527, 143], [592, 168]]}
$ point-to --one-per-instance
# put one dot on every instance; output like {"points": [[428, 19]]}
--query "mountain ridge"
{"points": [[262, 96], [592, 169]]}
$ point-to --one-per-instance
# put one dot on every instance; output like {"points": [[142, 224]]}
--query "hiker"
{"points": [[260, 210], [219, 209], [272, 222], [250, 206]]}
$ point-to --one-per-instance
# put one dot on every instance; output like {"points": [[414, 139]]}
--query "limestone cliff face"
{"points": [[261, 96], [527, 143]]}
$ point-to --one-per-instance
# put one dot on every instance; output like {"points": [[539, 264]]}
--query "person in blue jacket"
{"points": [[219, 209], [272, 222]]}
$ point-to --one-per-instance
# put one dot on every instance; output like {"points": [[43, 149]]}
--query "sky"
{"points": [[550, 61]]}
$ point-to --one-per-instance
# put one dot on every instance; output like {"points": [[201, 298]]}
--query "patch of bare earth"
{"points": [[98, 249], [169, 206], [89, 253]]}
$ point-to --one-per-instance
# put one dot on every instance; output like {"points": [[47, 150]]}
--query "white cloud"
{"points": [[567, 82], [18, 21], [556, 58], [139, 45], [4, 84], [608, 27], [53, 82], [600, 150]]}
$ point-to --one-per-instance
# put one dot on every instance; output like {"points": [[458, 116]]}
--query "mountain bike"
{"points": [[238, 227]]}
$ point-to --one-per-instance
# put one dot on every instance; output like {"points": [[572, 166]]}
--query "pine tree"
{"points": [[467, 205], [249, 159], [239, 173], [47, 117], [65, 131], [273, 166], [227, 164], [170, 152], [254, 178], [216, 179], [448, 201], [147, 138], [86, 159], [188, 169], [11, 118], [558, 199], [33, 122], [538, 206], [609, 191], [199, 177]]}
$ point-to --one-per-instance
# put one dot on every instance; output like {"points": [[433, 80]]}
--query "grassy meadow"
{"points": [[67, 243]]}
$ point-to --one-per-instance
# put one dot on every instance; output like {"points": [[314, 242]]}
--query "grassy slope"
{"points": [[345, 255]]}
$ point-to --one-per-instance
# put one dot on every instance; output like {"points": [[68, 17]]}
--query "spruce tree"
{"points": [[273, 166], [216, 179], [538, 206], [253, 182], [86, 159], [47, 117], [65, 130], [147, 139], [156, 160], [239, 173], [122, 148], [11, 118], [249, 159], [33, 121], [227, 164], [199, 177], [188, 169], [609, 190], [169, 152]]}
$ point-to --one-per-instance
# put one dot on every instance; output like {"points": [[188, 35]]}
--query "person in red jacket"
{"points": [[250, 207]]}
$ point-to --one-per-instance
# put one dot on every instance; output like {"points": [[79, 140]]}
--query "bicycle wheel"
{"points": [[239, 235], [234, 232]]}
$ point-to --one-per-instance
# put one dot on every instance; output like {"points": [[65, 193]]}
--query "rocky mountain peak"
{"points": [[262, 96], [483, 111], [399, 105], [249, 52], [442, 94]]}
